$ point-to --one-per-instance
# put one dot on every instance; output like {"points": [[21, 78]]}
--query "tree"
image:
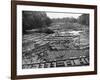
{"points": [[84, 19], [34, 19]]}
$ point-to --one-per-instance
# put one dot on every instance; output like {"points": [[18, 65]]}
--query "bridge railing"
{"points": [[74, 61]]}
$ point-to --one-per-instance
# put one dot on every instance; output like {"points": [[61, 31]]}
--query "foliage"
{"points": [[34, 19], [84, 19]]}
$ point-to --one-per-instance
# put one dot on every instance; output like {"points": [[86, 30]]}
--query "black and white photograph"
{"points": [[54, 39]]}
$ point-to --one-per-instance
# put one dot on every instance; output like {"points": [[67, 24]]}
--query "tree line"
{"points": [[40, 20], [83, 19]]}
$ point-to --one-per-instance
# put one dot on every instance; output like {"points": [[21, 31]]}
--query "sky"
{"points": [[62, 15]]}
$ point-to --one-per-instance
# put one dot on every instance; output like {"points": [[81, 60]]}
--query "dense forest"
{"points": [[34, 20]]}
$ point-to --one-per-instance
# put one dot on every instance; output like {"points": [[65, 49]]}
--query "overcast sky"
{"points": [[62, 15]]}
